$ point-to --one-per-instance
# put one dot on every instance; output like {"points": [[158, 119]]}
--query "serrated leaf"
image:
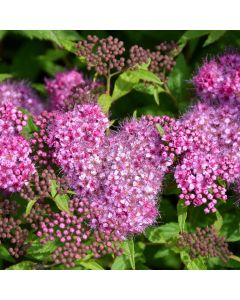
{"points": [[41, 251], [62, 203], [148, 88], [24, 265], [129, 251], [182, 214], [193, 264], [191, 34], [30, 206], [213, 36], [61, 37], [105, 102], [129, 79], [163, 233], [53, 188], [121, 263], [91, 265], [4, 254], [219, 222]]}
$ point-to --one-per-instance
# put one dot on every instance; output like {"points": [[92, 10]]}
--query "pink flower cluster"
{"points": [[131, 179], [120, 173], [15, 165], [207, 140], [77, 137], [60, 87], [20, 94], [12, 120], [218, 80]]}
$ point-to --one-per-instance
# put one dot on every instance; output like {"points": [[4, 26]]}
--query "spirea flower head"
{"points": [[20, 94], [16, 166], [76, 237], [12, 120], [131, 179], [60, 87], [218, 80], [77, 137], [207, 140]]}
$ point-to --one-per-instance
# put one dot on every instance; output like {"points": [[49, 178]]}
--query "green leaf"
{"points": [[129, 79], [41, 251], [148, 88], [60, 200], [121, 263], [24, 265], [91, 265], [191, 34], [163, 233], [213, 36], [30, 206], [105, 102], [5, 76], [129, 251], [60, 37], [182, 214], [231, 227], [193, 264], [219, 222], [4, 254], [177, 82]]}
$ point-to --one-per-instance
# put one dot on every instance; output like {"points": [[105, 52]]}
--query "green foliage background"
{"points": [[35, 55]]}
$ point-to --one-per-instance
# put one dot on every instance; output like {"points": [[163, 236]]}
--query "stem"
{"points": [[175, 102], [234, 257], [108, 84]]}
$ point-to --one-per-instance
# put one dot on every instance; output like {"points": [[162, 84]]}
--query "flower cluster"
{"points": [[75, 235], [12, 120], [11, 231], [131, 179], [161, 60], [206, 140], [102, 54], [16, 166], [60, 87], [205, 242], [76, 138], [218, 80], [22, 95]]}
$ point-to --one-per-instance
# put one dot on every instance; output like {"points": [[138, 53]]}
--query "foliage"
{"points": [[35, 55]]}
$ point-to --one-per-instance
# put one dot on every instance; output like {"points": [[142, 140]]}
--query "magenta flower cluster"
{"points": [[77, 137], [218, 80], [15, 164], [131, 179], [20, 94], [59, 88]]}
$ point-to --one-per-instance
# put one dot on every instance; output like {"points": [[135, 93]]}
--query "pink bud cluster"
{"points": [[41, 154], [15, 165], [207, 139], [77, 137], [218, 80], [60, 87], [20, 94], [75, 236]]}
